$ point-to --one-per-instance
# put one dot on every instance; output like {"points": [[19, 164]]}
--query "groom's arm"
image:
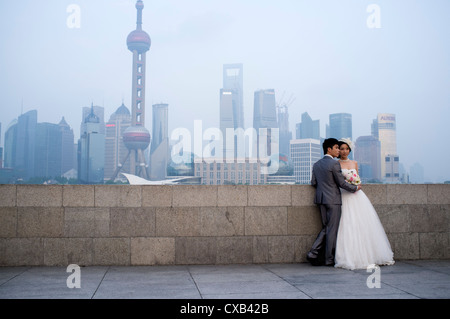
{"points": [[313, 178], [340, 180]]}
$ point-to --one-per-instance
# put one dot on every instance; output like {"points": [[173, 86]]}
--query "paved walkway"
{"points": [[405, 280]]}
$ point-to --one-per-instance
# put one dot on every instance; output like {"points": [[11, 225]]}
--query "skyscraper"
{"points": [[265, 117], [25, 145], [91, 151], [341, 125], [67, 147], [307, 128], [233, 79], [231, 103], [115, 149], [264, 110], [159, 150], [367, 154], [285, 133], [10, 144], [48, 156], [384, 127]]}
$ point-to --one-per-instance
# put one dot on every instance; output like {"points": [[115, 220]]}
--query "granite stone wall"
{"points": [[53, 225]]}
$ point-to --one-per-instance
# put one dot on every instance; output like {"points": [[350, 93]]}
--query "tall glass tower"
{"points": [[231, 103], [159, 150]]}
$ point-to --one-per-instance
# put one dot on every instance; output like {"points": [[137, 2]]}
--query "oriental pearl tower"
{"points": [[137, 137]]}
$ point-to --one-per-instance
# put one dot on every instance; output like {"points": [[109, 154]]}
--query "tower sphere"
{"points": [[138, 40], [136, 137]]}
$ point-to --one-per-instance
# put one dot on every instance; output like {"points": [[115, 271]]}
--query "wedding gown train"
{"points": [[361, 239]]}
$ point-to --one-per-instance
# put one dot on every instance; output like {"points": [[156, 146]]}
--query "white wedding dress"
{"points": [[361, 239]]}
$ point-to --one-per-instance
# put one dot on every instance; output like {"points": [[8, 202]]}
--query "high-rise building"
{"points": [[341, 125], [265, 117], [25, 145], [231, 104], [91, 151], [384, 127], [159, 150], [99, 111], [10, 145], [307, 128], [304, 153], [48, 154], [285, 133], [115, 149], [233, 79], [367, 154], [67, 147]]}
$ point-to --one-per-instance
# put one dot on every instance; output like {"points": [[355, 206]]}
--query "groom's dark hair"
{"points": [[329, 143]]}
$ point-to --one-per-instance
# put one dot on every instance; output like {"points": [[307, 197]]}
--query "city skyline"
{"points": [[327, 57]]}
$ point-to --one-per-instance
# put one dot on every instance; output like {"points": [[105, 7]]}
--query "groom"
{"points": [[327, 178]]}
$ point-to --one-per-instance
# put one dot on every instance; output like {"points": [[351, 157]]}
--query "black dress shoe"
{"points": [[314, 261]]}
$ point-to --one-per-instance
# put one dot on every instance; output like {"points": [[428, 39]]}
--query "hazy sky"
{"points": [[322, 53]]}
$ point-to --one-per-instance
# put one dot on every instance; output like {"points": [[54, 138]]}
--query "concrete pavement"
{"points": [[412, 279]]}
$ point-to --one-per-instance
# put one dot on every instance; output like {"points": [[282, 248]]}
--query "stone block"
{"points": [[132, 222], [21, 252], [434, 245], [302, 245], [177, 221], [195, 250], [302, 195], [66, 251], [260, 249], [405, 245], [118, 196], [221, 221], [78, 196], [232, 195], [40, 222], [303, 220], [438, 193], [428, 218], [86, 222], [269, 195], [152, 251], [194, 196], [7, 195], [157, 196], [39, 195], [8, 222], [406, 194], [377, 193], [111, 251], [281, 249], [234, 250], [262, 221], [394, 218]]}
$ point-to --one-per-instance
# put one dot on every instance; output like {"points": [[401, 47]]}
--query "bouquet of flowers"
{"points": [[352, 177]]}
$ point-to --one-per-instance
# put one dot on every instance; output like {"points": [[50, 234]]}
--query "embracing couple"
{"points": [[352, 235]]}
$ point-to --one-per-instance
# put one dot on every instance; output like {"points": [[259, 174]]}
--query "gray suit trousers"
{"points": [[326, 239]]}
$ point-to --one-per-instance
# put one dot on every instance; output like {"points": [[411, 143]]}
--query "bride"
{"points": [[361, 239]]}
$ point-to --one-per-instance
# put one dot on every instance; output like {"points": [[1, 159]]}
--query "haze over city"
{"points": [[323, 57]]}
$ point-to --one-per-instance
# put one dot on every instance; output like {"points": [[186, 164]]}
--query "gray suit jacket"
{"points": [[327, 178]]}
